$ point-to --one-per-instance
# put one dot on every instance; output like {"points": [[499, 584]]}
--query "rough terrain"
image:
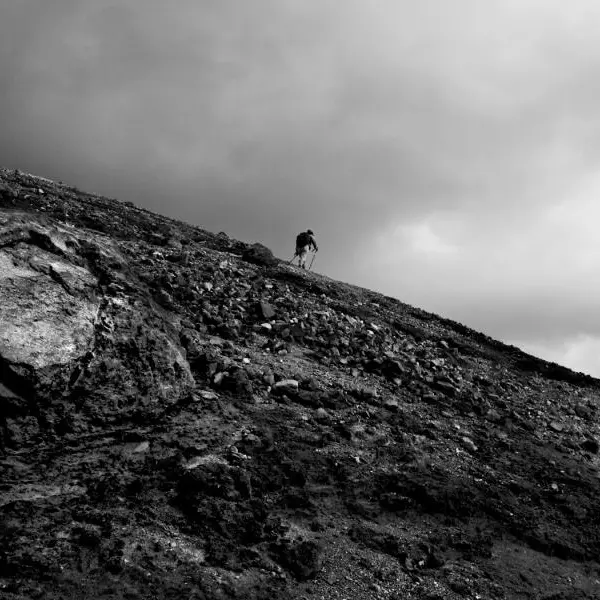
{"points": [[182, 415]]}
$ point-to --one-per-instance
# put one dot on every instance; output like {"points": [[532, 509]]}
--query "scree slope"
{"points": [[183, 415]]}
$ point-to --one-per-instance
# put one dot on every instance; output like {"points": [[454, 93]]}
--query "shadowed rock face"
{"points": [[184, 416]]}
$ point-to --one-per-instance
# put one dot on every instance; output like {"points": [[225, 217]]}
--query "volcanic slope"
{"points": [[185, 416]]}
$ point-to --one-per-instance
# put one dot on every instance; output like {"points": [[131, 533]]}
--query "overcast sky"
{"points": [[444, 152]]}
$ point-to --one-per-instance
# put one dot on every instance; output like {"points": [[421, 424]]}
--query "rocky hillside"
{"points": [[185, 416]]}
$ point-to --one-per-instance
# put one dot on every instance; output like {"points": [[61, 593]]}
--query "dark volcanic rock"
{"points": [[260, 255], [591, 445], [302, 558]]}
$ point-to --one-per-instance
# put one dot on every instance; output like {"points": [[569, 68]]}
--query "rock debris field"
{"points": [[184, 416]]}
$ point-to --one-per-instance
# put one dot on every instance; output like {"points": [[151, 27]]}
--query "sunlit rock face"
{"points": [[48, 304]]}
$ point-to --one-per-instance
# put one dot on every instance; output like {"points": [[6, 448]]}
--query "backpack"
{"points": [[303, 239]]}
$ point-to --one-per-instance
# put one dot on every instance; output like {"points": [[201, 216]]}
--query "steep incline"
{"points": [[183, 415]]}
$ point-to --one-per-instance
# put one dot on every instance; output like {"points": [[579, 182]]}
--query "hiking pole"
{"points": [[292, 259], [312, 260]]}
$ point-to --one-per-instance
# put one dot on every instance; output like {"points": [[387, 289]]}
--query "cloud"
{"points": [[422, 239]]}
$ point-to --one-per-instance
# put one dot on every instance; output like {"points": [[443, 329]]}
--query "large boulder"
{"points": [[49, 305], [72, 348], [259, 255]]}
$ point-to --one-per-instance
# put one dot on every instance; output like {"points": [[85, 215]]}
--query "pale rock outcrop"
{"points": [[62, 299]]}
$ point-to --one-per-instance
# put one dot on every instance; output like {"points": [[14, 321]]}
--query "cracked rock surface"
{"points": [[182, 415]]}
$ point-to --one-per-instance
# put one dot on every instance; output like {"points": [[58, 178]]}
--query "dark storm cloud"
{"points": [[429, 144]]}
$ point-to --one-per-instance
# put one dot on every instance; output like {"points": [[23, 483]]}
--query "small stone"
{"points": [[322, 415], [583, 412], [555, 426], [266, 310], [391, 404], [311, 384], [493, 416], [590, 445], [164, 299], [286, 385], [143, 447], [469, 444], [207, 286], [445, 387]]}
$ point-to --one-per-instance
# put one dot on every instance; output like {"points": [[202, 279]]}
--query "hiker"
{"points": [[305, 241]]}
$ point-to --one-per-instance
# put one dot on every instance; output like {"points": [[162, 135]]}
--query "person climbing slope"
{"points": [[305, 241]]}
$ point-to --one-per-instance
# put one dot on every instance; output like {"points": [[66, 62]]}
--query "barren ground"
{"points": [[184, 416]]}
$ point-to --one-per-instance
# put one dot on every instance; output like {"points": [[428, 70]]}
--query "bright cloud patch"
{"points": [[422, 239], [427, 239]]}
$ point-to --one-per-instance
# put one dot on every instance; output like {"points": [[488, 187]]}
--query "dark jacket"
{"points": [[306, 239]]}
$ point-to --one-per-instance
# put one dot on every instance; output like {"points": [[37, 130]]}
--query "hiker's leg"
{"points": [[302, 254]]}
